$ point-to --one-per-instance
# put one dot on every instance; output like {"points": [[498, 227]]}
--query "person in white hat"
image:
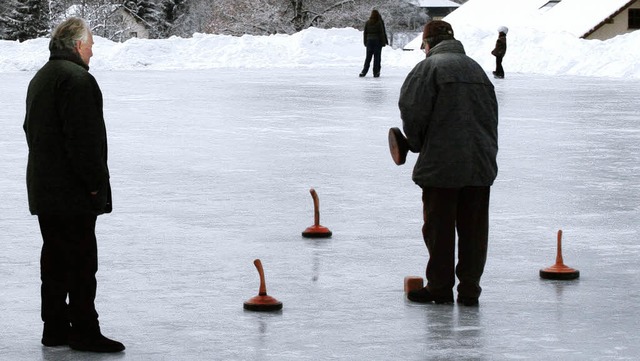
{"points": [[499, 51]]}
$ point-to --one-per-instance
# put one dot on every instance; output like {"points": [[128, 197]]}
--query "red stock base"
{"points": [[559, 272], [263, 304], [317, 232]]}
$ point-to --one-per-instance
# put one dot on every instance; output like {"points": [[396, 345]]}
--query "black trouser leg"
{"points": [[473, 235], [367, 60], [69, 262], [53, 274], [377, 59], [499, 69]]}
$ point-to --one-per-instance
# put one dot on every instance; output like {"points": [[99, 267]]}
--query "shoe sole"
{"points": [[468, 303], [436, 301]]}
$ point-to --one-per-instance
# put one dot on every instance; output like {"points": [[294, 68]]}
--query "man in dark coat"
{"points": [[499, 51], [68, 186], [375, 38], [450, 117]]}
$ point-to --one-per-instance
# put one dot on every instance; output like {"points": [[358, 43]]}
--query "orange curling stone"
{"points": [[316, 230], [398, 146], [262, 302], [559, 271]]}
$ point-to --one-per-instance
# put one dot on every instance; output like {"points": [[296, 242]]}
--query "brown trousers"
{"points": [[447, 210]]}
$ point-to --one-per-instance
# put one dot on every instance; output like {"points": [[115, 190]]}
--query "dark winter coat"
{"points": [[375, 31], [450, 116], [67, 140], [501, 46]]}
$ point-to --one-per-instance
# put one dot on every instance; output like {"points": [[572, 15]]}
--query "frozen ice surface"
{"points": [[212, 169]]}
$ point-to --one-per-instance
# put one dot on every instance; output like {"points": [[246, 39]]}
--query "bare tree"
{"points": [[261, 17], [235, 17], [173, 12], [120, 19]]}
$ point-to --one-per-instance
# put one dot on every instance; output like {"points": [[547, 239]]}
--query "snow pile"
{"points": [[529, 51], [545, 41]]}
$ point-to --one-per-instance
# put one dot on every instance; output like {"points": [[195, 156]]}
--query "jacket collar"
{"points": [[69, 55], [447, 46]]}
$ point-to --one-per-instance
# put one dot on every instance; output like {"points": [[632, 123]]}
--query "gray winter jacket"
{"points": [[450, 116]]}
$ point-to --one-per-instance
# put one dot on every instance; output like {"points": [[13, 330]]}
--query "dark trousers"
{"points": [[499, 69], [447, 210], [68, 265], [374, 50]]}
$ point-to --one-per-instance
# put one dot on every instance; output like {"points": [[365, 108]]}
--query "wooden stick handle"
{"points": [[559, 254], [263, 287], [316, 207]]}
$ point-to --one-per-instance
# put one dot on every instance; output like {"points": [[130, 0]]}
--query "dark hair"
{"points": [[375, 16], [436, 31], [69, 32]]}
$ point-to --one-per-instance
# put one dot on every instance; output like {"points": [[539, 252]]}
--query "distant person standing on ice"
{"points": [[449, 114], [375, 38], [68, 187], [500, 50]]}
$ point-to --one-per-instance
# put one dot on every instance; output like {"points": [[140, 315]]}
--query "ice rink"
{"points": [[211, 169]]}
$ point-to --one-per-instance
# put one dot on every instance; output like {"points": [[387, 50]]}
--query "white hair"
{"points": [[68, 33]]}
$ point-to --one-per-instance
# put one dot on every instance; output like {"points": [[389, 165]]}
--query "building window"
{"points": [[634, 18]]}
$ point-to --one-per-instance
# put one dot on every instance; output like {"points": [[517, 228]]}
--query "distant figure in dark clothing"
{"points": [[375, 38], [500, 50], [68, 187]]}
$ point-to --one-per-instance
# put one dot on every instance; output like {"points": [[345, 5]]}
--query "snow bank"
{"points": [[529, 52]]}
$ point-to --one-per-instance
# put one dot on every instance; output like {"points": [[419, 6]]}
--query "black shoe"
{"points": [[54, 341], [376, 75], [362, 75], [424, 296], [467, 301], [94, 343], [57, 335]]}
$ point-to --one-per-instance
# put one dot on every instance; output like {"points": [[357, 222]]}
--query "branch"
{"points": [[317, 15]]}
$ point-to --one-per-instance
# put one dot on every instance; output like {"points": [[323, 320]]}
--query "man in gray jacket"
{"points": [[450, 117]]}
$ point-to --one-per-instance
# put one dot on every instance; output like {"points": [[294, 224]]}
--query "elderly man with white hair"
{"points": [[68, 187]]}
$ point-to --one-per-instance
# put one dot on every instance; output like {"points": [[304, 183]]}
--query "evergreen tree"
{"points": [[4, 8], [172, 13], [26, 19]]}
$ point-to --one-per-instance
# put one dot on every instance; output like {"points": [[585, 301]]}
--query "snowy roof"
{"points": [[591, 14], [435, 3], [577, 17]]}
